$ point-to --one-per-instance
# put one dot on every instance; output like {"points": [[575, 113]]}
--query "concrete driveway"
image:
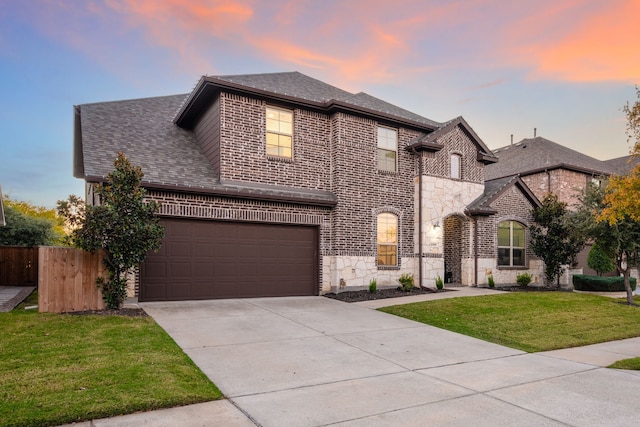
{"points": [[312, 361]]}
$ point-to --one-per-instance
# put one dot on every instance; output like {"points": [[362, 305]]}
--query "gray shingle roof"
{"points": [[298, 85], [535, 154], [623, 165], [143, 130]]}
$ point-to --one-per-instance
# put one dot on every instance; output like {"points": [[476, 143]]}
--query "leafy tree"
{"points": [[554, 237], [620, 237], [124, 226], [619, 211], [30, 225], [600, 259]]}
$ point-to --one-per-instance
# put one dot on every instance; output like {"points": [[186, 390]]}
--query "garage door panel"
{"points": [[214, 259]]}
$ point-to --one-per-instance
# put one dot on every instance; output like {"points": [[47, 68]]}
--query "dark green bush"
{"points": [[582, 282]]}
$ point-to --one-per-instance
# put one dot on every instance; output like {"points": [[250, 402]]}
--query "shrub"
{"points": [[523, 279], [373, 286], [406, 282], [439, 283], [599, 260], [583, 282], [491, 282]]}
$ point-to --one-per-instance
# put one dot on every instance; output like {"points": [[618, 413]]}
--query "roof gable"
{"points": [[493, 189], [430, 142], [538, 154]]}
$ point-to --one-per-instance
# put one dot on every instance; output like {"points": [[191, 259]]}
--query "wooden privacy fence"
{"points": [[18, 266], [67, 280]]}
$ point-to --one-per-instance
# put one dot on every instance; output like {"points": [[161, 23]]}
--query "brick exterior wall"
{"points": [[243, 146], [566, 184]]}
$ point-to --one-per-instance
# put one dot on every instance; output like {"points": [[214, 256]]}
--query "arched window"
{"points": [[387, 239], [456, 166], [511, 244]]}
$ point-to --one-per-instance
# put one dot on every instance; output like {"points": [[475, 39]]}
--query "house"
{"points": [[546, 166], [280, 184]]}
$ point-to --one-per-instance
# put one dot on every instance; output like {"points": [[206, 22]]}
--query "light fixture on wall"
{"points": [[436, 224]]}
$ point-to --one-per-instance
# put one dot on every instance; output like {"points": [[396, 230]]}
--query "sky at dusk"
{"points": [[565, 67]]}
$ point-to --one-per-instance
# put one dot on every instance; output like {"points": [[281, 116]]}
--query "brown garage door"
{"points": [[214, 259]]}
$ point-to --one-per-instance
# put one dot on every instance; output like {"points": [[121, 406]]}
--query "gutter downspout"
{"points": [[475, 250]]}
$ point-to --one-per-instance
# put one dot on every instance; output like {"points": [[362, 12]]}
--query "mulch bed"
{"points": [[129, 312], [365, 295]]}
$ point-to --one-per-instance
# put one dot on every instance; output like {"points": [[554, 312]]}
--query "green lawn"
{"points": [[58, 369], [530, 321]]}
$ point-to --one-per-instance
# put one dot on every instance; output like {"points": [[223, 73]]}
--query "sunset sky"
{"points": [[565, 67]]}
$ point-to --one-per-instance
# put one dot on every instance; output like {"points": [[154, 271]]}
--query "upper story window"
{"points": [[456, 166], [387, 149], [511, 244], [279, 132], [387, 239]]}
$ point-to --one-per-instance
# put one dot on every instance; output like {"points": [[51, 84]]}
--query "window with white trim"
{"points": [[387, 239], [387, 149], [511, 244], [279, 132]]}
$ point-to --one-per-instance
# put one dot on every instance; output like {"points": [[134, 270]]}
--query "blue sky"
{"points": [[565, 67]]}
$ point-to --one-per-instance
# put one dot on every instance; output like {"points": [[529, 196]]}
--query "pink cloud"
{"points": [[603, 47], [366, 41]]}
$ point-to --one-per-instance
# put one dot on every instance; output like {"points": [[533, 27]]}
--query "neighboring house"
{"points": [[280, 184], [2, 220], [546, 166]]}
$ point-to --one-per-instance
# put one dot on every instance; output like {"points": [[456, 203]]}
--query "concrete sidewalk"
{"points": [[11, 296], [312, 361]]}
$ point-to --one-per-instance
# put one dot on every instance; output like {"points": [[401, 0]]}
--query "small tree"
{"points": [[124, 226], [554, 238], [600, 260]]}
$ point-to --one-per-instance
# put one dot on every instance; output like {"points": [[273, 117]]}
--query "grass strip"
{"points": [[57, 369], [630, 364], [529, 321]]}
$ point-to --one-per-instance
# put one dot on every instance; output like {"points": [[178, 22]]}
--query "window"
{"points": [[511, 237], [456, 171], [387, 239], [387, 149], [279, 132]]}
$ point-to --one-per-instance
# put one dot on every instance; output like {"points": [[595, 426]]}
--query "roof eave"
{"points": [[327, 202], [424, 146], [564, 166]]}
